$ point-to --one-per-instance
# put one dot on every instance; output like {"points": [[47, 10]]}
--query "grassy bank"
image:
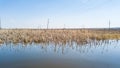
{"points": [[56, 35]]}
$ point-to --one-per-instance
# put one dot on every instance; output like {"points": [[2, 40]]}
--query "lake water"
{"points": [[102, 54]]}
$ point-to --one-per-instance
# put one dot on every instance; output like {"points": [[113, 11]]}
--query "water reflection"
{"points": [[97, 51], [62, 48]]}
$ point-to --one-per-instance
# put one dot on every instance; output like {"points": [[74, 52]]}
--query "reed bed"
{"points": [[56, 36]]}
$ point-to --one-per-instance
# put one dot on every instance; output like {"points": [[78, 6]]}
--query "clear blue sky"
{"points": [[72, 13]]}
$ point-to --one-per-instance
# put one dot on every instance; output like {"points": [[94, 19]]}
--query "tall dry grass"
{"points": [[56, 36]]}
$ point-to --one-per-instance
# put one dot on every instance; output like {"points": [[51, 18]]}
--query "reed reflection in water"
{"points": [[98, 54]]}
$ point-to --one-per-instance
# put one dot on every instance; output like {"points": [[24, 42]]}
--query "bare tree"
{"points": [[109, 25], [64, 26], [48, 24]]}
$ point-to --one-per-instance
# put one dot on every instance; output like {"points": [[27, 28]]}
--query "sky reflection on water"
{"points": [[98, 53]]}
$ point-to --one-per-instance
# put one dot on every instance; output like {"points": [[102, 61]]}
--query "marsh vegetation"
{"points": [[57, 35], [59, 48]]}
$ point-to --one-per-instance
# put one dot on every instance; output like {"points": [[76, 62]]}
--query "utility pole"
{"points": [[48, 23]]}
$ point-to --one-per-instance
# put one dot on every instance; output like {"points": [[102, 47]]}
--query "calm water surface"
{"points": [[102, 54]]}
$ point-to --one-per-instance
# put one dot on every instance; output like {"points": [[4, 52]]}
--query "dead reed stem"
{"points": [[56, 36]]}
